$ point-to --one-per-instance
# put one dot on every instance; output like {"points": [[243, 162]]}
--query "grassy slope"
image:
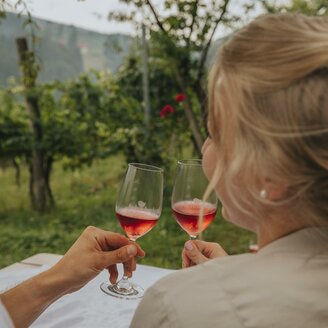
{"points": [[87, 197]]}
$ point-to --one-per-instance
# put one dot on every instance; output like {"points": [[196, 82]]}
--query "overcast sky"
{"points": [[92, 14]]}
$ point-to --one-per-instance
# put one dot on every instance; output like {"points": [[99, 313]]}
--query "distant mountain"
{"points": [[65, 51]]}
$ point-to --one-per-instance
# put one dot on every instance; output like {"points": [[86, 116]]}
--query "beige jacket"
{"points": [[284, 285]]}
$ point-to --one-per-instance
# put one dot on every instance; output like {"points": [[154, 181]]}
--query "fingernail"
{"points": [[132, 250], [188, 246]]}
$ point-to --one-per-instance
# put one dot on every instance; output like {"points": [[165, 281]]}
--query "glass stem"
{"points": [[124, 283], [193, 237]]}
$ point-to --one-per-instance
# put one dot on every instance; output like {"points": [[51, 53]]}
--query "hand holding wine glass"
{"points": [[199, 251], [138, 208], [191, 212]]}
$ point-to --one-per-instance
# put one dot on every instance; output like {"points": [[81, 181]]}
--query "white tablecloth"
{"points": [[88, 307]]}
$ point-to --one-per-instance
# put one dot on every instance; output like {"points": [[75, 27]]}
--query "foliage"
{"points": [[79, 118], [180, 39], [167, 135], [93, 117], [15, 136]]}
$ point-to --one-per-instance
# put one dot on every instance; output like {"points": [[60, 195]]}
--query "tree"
{"points": [[167, 133], [15, 137], [181, 39], [82, 120], [29, 74]]}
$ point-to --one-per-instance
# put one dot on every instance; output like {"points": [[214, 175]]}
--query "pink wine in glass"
{"points": [[187, 215], [136, 222]]}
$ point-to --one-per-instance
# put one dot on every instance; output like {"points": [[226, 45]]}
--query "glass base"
{"points": [[131, 294]]}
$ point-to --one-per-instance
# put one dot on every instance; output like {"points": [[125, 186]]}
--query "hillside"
{"points": [[65, 51]]}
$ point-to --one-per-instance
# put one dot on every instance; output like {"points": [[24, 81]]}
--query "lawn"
{"points": [[87, 197]]}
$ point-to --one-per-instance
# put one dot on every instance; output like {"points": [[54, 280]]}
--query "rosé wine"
{"points": [[136, 222], [187, 215]]}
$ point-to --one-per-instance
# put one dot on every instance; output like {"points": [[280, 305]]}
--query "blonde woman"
{"points": [[267, 159]]}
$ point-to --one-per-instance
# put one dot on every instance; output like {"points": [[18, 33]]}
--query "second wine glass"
{"points": [[190, 211], [138, 208]]}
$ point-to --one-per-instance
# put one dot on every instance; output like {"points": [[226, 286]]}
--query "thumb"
{"points": [[193, 253], [120, 255]]}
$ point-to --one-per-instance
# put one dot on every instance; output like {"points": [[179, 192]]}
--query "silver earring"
{"points": [[263, 194]]}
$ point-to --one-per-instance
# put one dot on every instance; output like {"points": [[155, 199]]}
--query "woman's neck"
{"points": [[272, 230]]}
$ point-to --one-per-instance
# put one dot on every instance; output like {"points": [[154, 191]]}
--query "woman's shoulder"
{"points": [[205, 274], [246, 288], [191, 297]]}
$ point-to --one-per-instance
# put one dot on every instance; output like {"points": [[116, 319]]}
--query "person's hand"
{"points": [[94, 251], [198, 251]]}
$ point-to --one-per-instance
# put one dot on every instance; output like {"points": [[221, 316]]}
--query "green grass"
{"points": [[87, 197]]}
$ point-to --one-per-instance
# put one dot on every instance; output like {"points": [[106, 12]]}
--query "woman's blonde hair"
{"points": [[268, 117]]}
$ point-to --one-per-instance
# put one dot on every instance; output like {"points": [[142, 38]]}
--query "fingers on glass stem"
{"points": [[113, 273]]}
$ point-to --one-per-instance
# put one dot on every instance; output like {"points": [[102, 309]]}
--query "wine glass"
{"points": [[190, 211], [138, 208]]}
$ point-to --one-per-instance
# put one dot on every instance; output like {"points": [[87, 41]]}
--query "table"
{"points": [[37, 260], [87, 308]]}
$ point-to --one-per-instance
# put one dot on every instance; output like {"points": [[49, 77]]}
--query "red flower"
{"points": [[166, 110], [180, 97]]}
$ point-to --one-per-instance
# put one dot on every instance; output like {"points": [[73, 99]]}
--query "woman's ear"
{"points": [[275, 191]]}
